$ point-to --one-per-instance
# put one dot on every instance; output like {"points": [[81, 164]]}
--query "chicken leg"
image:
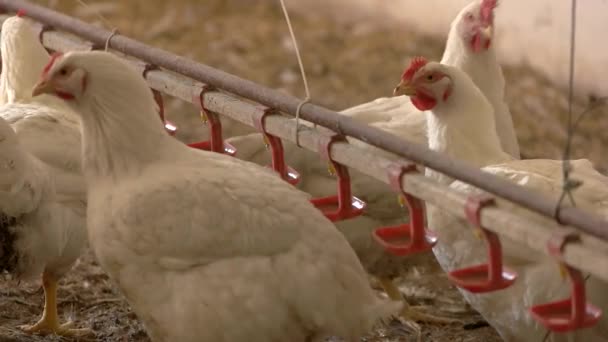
{"points": [[412, 313], [49, 323]]}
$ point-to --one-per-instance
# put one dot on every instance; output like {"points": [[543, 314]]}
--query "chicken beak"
{"points": [[487, 32], [43, 86], [404, 88]]}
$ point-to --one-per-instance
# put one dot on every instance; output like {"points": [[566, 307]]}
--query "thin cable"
{"points": [[107, 23], [597, 103], [569, 184], [302, 71], [547, 334]]}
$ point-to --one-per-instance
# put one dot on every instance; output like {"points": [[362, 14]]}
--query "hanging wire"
{"points": [[302, 71], [101, 17], [570, 184], [105, 21], [546, 336], [593, 105]]}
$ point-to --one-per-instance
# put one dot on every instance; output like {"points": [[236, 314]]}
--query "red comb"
{"points": [[21, 13], [415, 65], [486, 10], [48, 66]]}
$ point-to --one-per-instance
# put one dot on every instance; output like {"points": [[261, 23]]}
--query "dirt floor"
{"points": [[348, 63]]}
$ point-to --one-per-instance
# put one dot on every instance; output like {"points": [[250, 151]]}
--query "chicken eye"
{"points": [[430, 77], [63, 71], [469, 17]]}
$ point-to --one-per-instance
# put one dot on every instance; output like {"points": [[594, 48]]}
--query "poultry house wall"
{"points": [[535, 32]]}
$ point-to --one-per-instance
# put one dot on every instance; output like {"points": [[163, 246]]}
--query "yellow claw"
{"points": [[49, 322], [204, 117], [331, 169]]}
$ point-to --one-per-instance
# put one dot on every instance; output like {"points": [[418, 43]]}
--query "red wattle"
{"points": [[64, 95], [476, 43], [423, 102]]}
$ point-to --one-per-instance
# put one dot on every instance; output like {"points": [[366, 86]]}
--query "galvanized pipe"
{"points": [[575, 217]]}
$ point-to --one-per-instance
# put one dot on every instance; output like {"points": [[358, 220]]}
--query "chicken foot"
{"points": [[412, 313], [49, 323]]}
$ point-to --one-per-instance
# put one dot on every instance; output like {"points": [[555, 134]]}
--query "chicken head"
{"points": [[425, 83], [475, 24], [64, 80]]}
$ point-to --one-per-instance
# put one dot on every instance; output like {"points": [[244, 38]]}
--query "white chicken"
{"points": [[468, 48], [47, 129], [191, 242], [460, 125]]}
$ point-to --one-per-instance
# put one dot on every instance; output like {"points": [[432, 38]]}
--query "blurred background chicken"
{"points": [[48, 135], [41, 233], [460, 125]]}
